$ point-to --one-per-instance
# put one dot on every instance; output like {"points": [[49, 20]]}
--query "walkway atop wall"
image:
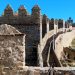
{"points": [[45, 48]]}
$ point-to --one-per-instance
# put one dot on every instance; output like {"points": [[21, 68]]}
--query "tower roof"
{"points": [[36, 7], [21, 7], [44, 15], [8, 7]]}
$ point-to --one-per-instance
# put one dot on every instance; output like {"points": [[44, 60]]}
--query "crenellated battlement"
{"points": [[23, 16], [20, 17]]}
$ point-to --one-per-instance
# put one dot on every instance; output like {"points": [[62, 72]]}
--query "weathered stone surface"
{"points": [[35, 71], [7, 29], [12, 47]]}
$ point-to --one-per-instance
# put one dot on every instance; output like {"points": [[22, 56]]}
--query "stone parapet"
{"points": [[38, 71]]}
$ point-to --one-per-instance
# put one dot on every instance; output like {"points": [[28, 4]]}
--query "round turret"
{"points": [[70, 20], [44, 16]]}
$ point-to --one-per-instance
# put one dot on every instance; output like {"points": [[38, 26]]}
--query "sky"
{"points": [[58, 9]]}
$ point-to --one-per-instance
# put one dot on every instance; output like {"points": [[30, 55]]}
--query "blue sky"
{"points": [[52, 8]]}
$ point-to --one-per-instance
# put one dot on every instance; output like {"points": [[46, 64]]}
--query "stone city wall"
{"points": [[63, 40], [12, 50]]}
